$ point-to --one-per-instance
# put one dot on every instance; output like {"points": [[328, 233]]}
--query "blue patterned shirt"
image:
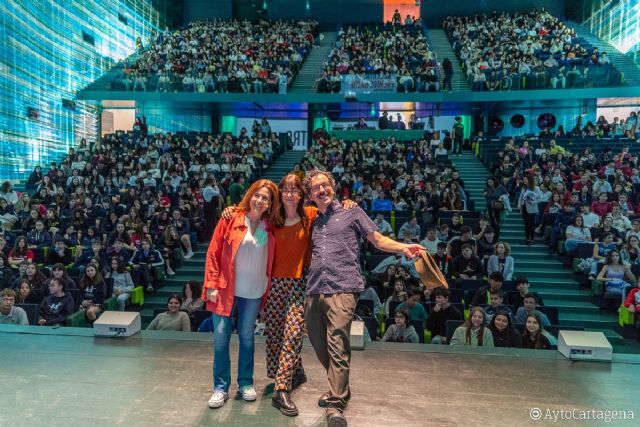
{"points": [[335, 250]]}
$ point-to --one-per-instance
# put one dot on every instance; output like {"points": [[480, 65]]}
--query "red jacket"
{"points": [[631, 299], [219, 270]]}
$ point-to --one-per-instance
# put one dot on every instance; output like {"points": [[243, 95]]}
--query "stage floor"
{"points": [[164, 379]]}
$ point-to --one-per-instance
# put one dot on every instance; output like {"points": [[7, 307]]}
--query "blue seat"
{"points": [[373, 327], [32, 311], [452, 325]]}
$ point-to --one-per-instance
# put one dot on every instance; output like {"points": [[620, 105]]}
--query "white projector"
{"points": [[117, 324], [580, 345]]}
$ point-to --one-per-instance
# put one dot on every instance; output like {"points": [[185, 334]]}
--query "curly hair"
{"points": [[314, 173]]}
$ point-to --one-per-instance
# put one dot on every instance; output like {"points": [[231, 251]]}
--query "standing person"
{"points": [[333, 282], [237, 189], [497, 199], [238, 273], [457, 133], [447, 66], [528, 204], [212, 204]]}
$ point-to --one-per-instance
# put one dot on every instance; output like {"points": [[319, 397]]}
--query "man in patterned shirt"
{"points": [[334, 282]]}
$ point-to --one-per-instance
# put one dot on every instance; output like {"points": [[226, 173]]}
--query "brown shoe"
{"points": [[336, 418], [322, 402]]}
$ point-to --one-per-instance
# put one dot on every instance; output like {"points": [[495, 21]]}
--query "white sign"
{"points": [[296, 129]]}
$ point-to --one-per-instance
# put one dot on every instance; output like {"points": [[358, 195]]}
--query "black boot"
{"points": [[282, 401], [298, 380]]}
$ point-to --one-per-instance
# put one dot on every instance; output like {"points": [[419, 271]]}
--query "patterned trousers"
{"points": [[284, 313]]}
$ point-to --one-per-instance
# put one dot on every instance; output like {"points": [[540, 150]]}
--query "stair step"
{"points": [[552, 283], [572, 295], [565, 306], [558, 272]]}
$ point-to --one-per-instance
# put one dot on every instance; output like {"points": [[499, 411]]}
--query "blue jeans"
{"points": [[247, 313]]}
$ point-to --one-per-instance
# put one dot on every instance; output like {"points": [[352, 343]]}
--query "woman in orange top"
{"points": [[238, 273]]}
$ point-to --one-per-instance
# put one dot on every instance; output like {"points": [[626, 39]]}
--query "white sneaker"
{"points": [[217, 399], [170, 272], [189, 255], [248, 393]]}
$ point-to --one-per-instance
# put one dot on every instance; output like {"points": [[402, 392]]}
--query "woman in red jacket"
{"points": [[238, 273]]}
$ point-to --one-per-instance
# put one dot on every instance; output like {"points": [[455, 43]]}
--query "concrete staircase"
{"points": [[283, 165], [191, 269], [546, 274], [622, 62], [439, 43], [305, 81]]}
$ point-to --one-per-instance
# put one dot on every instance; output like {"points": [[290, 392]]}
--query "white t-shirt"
{"points": [[251, 263]]}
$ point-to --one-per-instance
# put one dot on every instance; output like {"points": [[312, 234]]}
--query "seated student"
{"points": [[440, 313], [26, 295], [173, 319], [192, 297], [83, 258], [122, 283], [38, 237], [486, 244], [501, 261], [533, 336], [442, 259], [56, 307], [522, 286], [6, 274], [444, 233], [455, 245], [119, 251], [143, 261], [430, 242], [455, 228], [171, 247], [467, 265], [9, 313], [483, 295], [528, 308], [401, 331], [59, 254], [400, 261], [92, 292], [615, 275], [632, 301], [20, 253], [503, 331], [474, 332], [497, 299], [399, 294], [31, 273], [58, 271], [412, 303]]}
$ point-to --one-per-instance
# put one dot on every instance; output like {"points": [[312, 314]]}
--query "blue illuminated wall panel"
{"points": [[49, 49], [618, 23]]}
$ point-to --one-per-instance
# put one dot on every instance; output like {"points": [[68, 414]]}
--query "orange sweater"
{"points": [[293, 247]]}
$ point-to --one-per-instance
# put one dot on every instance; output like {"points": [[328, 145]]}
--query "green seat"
{"points": [[110, 304], [625, 317], [77, 320], [137, 296], [597, 288]]}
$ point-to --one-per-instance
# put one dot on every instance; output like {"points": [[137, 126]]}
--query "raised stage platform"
{"points": [[66, 377]]}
